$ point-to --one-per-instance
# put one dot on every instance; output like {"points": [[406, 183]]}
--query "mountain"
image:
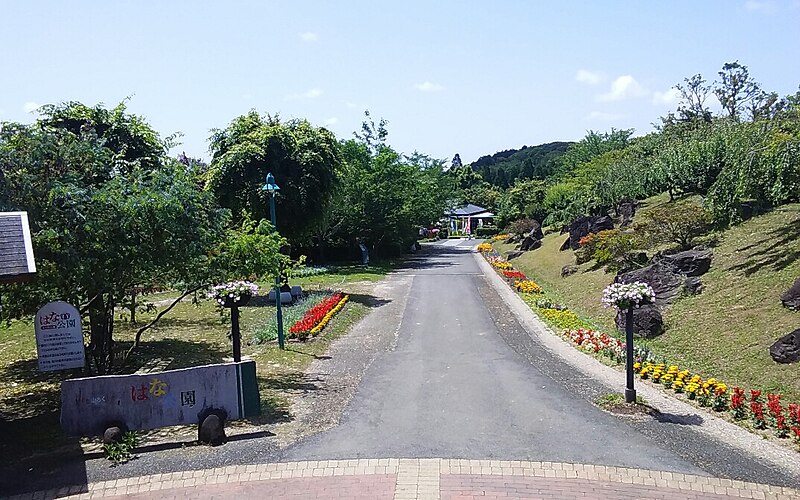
{"points": [[528, 162]]}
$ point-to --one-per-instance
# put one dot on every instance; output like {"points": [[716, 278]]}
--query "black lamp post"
{"points": [[272, 189], [630, 392]]}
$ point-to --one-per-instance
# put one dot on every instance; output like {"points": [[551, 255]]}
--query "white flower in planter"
{"points": [[624, 296]]}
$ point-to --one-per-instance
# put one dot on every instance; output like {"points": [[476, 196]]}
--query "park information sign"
{"points": [[148, 401], [59, 338]]}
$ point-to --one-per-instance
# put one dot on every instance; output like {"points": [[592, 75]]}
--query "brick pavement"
{"points": [[420, 479]]}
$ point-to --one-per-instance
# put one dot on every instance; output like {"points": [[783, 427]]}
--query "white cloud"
{"points": [[308, 36], [669, 97], [30, 106], [428, 87], [624, 87], [590, 77], [331, 121], [350, 104], [602, 116], [763, 6], [308, 94]]}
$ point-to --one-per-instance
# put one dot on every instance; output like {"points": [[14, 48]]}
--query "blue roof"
{"points": [[466, 210]]}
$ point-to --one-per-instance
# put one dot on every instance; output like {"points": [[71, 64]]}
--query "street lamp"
{"points": [[272, 189]]}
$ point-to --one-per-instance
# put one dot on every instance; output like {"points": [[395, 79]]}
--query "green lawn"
{"points": [[726, 331], [189, 335]]}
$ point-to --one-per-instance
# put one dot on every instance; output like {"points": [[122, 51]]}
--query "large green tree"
{"points": [[104, 220], [304, 160]]}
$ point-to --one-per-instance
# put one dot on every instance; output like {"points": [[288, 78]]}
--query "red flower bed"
{"points": [[515, 275], [315, 314]]}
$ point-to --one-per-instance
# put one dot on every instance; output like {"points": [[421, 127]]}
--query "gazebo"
{"points": [[466, 218], [16, 249]]}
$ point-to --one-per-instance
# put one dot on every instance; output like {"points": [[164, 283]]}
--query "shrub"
{"points": [[521, 226], [678, 223], [485, 232], [613, 249]]}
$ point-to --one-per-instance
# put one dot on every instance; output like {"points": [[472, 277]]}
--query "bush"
{"points": [[521, 226], [678, 223], [611, 247], [485, 232]]}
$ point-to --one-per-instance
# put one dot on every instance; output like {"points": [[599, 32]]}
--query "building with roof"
{"points": [[467, 218]]}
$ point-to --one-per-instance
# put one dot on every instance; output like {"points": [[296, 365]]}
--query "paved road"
{"points": [[453, 387]]}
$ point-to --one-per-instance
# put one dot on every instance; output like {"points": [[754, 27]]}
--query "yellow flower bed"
{"points": [[498, 237], [484, 248], [527, 286], [329, 315]]}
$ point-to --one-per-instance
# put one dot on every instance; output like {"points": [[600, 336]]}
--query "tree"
{"points": [[736, 89], [104, 221], [456, 161], [693, 96], [304, 160]]}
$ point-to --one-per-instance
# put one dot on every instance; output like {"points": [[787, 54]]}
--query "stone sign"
{"points": [[141, 402], [59, 338]]}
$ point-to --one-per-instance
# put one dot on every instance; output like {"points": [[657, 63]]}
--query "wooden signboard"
{"points": [[59, 337]]}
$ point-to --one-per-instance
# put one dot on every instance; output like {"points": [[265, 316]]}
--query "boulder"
{"points": [[693, 285], [536, 231], [514, 238], [530, 243], [791, 299], [666, 282], [114, 433], [564, 246], [582, 226], [689, 262], [568, 270], [212, 427], [647, 321], [514, 254], [787, 348], [627, 209]]}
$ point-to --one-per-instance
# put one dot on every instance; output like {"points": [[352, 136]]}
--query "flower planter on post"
{"points": [[624, 297], [233, 295]]}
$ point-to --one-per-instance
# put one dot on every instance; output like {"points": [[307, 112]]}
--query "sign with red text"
{"points": [[59, 338]]}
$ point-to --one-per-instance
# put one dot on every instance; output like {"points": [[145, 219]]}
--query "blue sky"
{"points": [[450, 76]]}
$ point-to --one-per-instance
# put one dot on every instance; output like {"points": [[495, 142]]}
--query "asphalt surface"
{"points": [[465, 380], [442, 369]]}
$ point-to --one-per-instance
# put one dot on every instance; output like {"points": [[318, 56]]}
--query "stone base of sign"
{"points": [[90, 406]]}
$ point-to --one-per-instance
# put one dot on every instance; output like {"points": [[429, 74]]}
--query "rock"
{"points": [[114, 433], [568, 270], [514, 238], [647, 321], [582, 226], [787, 348], [689, 262], [530, 243], [693, 285], [564, 246], [212, 427], [791, 299], [536, 231], [627, 209], [514, 254], [666, 282]]}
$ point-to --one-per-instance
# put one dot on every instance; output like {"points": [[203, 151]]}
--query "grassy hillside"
{"points": [[724, 332]]}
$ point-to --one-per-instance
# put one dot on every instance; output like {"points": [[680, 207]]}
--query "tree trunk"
{"points": [[101, 323]]}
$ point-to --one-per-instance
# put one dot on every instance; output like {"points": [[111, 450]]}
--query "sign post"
{"points": [[59, 337]]}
